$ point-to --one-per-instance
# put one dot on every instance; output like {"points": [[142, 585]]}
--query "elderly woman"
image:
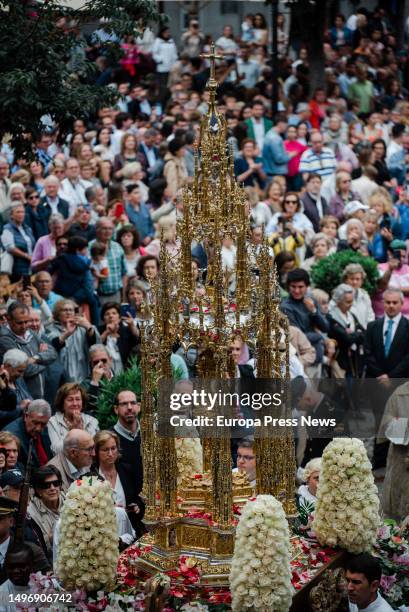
{"points": [[347, 331], [320, 245], [46, 503], [45, 250], [307, 493], [119, 334], [125, 485], [71, 335], [355, 237], [354, 275], [14, 395], [69, 404], [18, 240], [166, 228], [343, 195]]}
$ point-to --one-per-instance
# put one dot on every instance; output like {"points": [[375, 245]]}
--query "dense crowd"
{"points": [[80, 236]]}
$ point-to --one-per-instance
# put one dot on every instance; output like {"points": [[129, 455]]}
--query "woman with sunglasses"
{"points": [[45, 506], [32, 218], [69, 404], [289, 229]]}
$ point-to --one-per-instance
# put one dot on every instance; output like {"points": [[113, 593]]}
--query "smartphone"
{"points": [[127, 309], [119, 210], [77, 310], [26, 281]]}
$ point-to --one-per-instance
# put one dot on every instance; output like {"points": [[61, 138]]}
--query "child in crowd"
{"points": [[99, 263]]}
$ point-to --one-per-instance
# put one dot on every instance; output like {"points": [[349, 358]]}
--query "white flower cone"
{"points": [[88, 542], [347, 511], [260, 577], [189, 457]]}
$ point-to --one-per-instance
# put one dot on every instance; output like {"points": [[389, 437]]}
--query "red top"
{"points": [[294, 163]]}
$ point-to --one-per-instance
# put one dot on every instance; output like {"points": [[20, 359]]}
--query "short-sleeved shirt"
{"points": [[117, 269]]}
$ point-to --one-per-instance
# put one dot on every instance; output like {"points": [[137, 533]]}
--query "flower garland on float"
{"points": [[189, 457], [88, 542], [347, 511], [260, 577]]}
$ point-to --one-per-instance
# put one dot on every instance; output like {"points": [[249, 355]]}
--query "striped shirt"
{"points": [[323, 164], [117, 269]]}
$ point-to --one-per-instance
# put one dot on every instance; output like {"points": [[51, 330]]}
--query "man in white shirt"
{"points": [[248, 70], [363, 575], [73, 187]]}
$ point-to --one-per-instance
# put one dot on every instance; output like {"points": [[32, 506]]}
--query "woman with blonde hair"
{"points": [[343, 195], [166, 228], [11, 444], [389, 227], [273, 195]]}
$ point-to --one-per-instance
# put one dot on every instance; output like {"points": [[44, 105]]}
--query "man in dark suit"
{"points": [[315, 207], [386, 357], [33, 424], [148, 152]]}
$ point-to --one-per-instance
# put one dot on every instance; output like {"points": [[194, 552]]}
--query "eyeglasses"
{"points": [[35, 196], [130, 403], [94, 363], [51, 483], [67, 310], [88, 449], [245, 457], [291, 201]]}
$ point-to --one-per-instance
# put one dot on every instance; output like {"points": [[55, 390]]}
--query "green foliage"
{"points": [[327, 273], [129, 380], [43, 69]]}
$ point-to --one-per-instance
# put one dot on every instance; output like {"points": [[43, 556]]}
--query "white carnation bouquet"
{"points": [[347, 510], [260, 577], [189, 457], [88, 542]]}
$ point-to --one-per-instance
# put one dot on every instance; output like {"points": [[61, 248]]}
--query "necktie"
{"points": [[388, 337]]}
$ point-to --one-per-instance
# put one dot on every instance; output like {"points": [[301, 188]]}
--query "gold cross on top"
{"points": [[212, 57]]}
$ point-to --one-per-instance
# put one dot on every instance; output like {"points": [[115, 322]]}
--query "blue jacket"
{"points": [[73, 275], [275, 158], [141, 220]]}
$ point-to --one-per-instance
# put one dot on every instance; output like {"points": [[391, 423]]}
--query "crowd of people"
{"points": [[81, 222]]}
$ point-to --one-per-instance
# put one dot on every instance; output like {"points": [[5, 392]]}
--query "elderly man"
{"points": [[44, 284], [33, 425], [14, 395], [73, 187], [50, 204], [101, 369], [109, 290], [319, 159], [18, 335], [76, 457]]}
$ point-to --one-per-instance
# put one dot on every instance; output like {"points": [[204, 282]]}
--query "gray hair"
{"points": [[353, 268], [318, 237], [97, 347], [340, 292], [101, 220], [39, 406], [15, 358], [392, 290], [55, 219]]}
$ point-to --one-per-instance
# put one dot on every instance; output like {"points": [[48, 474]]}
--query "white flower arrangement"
{"points": [[189, 457], [88, 544], [347, 510], [260, 577]]}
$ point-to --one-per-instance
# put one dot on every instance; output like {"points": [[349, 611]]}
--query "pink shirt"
{"points": [[398, 280], [294, 163], [45, 247]]}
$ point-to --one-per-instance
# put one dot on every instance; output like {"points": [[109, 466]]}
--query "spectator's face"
{"points": [[320, 249], [82, 455], [258, 111], [235, 349], [79, 126], [4, 169], [35, 321], [44, 284], [312, 483], [355, 280], [290, 204], [248, 150], [392, 304], [150, 269], [135, 196], [35, 423], [101, 357], [19, 322], [6, 523], [61, 245], [11, 454], [246, 461], [50, 491], [314, 186], [105, 230], [317, 143], [291, 133], [330, 229], [72, 169], [360, 591], [51, 188], [257, 235], [298, 290], [136, 296], [346, 303], [16, 372], [111, 316], [108, 452], [18, 214], [127, 408], [228, 31], [3, 316]]}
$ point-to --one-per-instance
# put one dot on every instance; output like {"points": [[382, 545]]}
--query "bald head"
{"points": [[79, 448]]}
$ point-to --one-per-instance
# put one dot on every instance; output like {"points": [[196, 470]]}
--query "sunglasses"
{"points": [[94, 363], [291, 201], [48, 485], [33, 197]]}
